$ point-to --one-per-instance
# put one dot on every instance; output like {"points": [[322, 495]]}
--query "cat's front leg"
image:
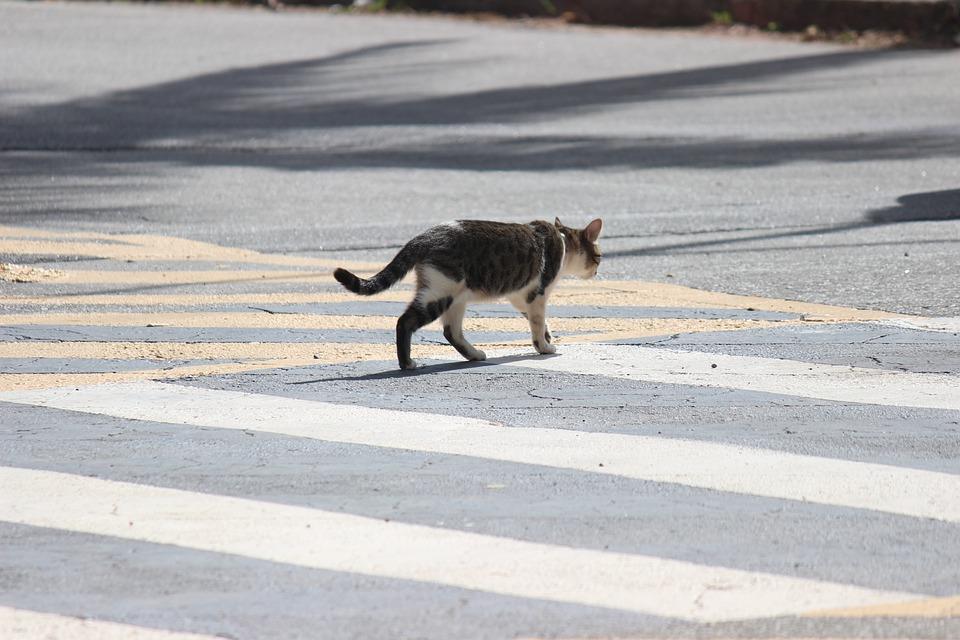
{"points": [[537, 316]]}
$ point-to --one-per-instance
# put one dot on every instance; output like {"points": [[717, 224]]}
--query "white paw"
{"points": [[410, 365], [546, 348], [478, 355]]}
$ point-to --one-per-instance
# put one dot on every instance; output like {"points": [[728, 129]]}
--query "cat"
{"points": [[467, 260]]}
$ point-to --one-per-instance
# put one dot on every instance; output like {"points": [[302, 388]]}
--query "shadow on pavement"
{"points": [[430, 369], [260, 116], [202, 120], [917, 207]]}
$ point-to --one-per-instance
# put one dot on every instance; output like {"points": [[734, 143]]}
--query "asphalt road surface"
{"points": [[752, 425]]}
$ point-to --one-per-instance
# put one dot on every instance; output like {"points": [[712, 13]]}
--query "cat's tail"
{"points": [[389, 276]]}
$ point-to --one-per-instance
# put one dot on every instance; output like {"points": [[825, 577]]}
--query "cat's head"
{"points": [[582, 256]]}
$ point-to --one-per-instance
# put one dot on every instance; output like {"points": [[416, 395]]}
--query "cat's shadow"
{"points": [[432, 369]]}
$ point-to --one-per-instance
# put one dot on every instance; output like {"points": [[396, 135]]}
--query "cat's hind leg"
{"points": [[435, 293], [453, 331], [417, 315]]}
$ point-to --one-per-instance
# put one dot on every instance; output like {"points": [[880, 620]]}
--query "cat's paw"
{"points": [[478, 356], [544, 348], [411, 364]]}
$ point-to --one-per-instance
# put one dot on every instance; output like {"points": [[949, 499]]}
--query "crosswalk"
{"points": [[213, 442], [890, 489]]}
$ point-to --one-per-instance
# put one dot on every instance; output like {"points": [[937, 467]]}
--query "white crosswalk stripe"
{"points": [[768, 375], [340, 542], [721, 467], [22, 624]]}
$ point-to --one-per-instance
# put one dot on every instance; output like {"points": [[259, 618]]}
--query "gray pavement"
{"points": [[751, 166], [201, 436]]}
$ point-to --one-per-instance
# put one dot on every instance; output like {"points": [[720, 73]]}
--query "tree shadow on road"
{"points": [[919, 207], [257, 116], [303, 115], [929, 206]]}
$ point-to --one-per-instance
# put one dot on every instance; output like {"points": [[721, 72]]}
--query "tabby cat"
{"points": [[467, 260]]}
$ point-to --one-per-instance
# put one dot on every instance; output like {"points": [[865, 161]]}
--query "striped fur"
{"points": [[388, 276], [467, 260]]}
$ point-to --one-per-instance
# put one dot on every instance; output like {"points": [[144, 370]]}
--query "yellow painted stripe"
{"points": [[655, 294], [248, 356], [22, 273], [21, 381], [193, 350], [568, 293], [147, 248], [948, 607], [261, 320], [400, 293], [592, 292], [81, 276], [59, 234]]}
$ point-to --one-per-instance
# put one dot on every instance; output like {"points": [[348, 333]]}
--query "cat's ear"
{"points": [[593, 230], [557, 223]]}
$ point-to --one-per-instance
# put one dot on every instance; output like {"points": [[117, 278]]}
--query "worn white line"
{"points": [[21, 624], [348, 543], [768, 375], [943, 325], [716, 466]]}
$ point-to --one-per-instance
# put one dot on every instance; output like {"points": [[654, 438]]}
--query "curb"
{"points": [[937, 19]]}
